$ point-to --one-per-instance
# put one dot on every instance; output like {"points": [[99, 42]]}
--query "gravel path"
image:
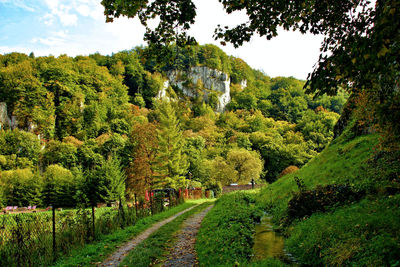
{"points": [[183, 253], [118, 256]]}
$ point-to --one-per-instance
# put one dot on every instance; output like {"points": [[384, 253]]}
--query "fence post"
{"points": [[121, 207], [93, 223], [136, 206], [53, 210], [151, 204], [169, 199]]}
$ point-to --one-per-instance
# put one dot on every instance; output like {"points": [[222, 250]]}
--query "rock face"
{"points": [[163, 92], [243, 84], [213, 80], [4, 119]]}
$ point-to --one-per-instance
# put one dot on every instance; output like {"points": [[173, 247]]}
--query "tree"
{"points": [[317, 127], [170, 161], [61, 153], [247, 165], [359, 53], [194, 151], [114, 177], [106, 183], [59, 187], [21, 187], [21, 144], [26, 98], [221, 172], [140, 173]]}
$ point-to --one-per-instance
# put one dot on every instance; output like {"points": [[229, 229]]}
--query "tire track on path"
{"points": [[118, 256], [183, 253]]}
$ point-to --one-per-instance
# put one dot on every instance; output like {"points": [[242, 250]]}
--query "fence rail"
{"points": [[39, 238]]}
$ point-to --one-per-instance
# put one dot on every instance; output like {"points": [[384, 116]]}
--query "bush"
{"points": [[306, 202], [288, 170]]}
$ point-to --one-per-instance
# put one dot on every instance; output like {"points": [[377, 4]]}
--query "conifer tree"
{"points": [[170, 162]]}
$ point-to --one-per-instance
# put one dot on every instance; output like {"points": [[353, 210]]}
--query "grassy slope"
{"points": [[363, 233], [341, 162]]}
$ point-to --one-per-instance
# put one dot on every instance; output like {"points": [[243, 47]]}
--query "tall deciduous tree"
{"points": [[59, 187], [170, 162], [359, 53], [139, 172], [247, 164]]}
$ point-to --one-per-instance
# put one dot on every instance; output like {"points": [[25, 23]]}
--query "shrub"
{"points": [[306, 202], [288, 170]]}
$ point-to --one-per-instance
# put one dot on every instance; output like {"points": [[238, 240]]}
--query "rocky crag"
{"points": [[211, 80]]}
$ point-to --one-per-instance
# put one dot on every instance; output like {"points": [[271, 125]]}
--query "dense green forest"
{"points": [[92, 129]]}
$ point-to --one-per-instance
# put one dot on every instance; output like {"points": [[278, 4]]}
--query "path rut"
{"points": [[118, 256], [183, 252]]}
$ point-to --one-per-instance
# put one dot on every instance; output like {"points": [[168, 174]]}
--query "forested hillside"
{"points": [[93, 128]]}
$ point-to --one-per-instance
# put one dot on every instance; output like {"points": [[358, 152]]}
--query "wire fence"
{"points": [[39, 237]]}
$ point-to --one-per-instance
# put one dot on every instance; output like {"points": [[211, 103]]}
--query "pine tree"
{"points": [[170, 164]]}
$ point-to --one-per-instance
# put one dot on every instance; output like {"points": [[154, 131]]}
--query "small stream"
{"points": [[268, 243]]}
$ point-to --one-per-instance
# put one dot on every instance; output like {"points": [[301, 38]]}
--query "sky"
{"points": [[77, 27]]}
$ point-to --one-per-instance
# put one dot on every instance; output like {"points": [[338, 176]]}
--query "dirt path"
{"points": [[183, 253], [118, 256]]}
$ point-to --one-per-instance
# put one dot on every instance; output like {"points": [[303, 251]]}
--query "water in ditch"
{"points": [[268, 243]]}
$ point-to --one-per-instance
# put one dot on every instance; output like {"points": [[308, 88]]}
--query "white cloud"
{"points": [[68, 19], [60, 11], [18, 3], [289, 54], [84, 10], [48, 19]]}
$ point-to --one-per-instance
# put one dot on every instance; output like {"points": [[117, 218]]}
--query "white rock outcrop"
{"points": [[4, 119], [243, 84], [163, 92], [213, 80]]}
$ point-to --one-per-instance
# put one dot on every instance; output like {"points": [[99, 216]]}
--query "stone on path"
{"points": [[118, 256], [183, 252]]}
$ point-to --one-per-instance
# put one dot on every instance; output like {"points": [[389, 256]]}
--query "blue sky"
{"points": [[77, 27]]}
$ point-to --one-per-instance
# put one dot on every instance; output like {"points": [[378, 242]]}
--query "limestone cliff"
{"points": [[6, 121], [211, 80]]}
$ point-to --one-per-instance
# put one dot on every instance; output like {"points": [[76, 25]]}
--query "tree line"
{"points": [[91, 129]]}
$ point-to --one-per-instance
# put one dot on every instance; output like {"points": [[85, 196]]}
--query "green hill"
{"points": [[350, 204]]}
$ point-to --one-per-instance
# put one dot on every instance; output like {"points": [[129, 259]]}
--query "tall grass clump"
{"points": [[226, 234], [364, 234]]}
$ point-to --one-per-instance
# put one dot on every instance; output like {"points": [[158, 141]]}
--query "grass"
{"points": [[226, 234], [362, 233], [341, 162], [154, 249], [97, 251]]}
